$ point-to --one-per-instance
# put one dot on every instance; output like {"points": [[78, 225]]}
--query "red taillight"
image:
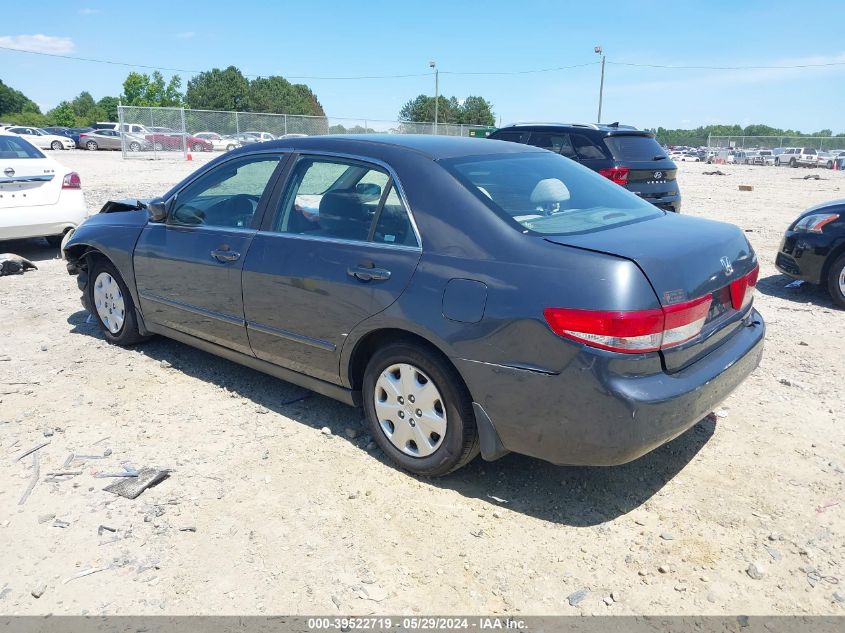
{"points": [[72, 181], [742, 289], [619, 175], [631, 332]]}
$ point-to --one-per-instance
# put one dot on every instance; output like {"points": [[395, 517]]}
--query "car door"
{"points": [[188, 268], [340, 247]]}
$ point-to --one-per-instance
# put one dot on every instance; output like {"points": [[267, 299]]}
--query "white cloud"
{"points": [[185, 35], [38, 43], [88, 11]]}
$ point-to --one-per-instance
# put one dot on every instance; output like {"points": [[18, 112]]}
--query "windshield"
{"points": [[16, 147], [634, 148], [548, 194]]}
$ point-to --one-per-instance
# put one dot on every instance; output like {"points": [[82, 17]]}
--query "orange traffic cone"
{"points": [[189, 156]]}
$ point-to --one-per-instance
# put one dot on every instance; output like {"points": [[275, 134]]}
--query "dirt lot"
{"points": [[265, 513]]}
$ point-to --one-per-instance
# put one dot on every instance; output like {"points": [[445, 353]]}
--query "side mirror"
{"points": [[368, 191], [157, 210]]}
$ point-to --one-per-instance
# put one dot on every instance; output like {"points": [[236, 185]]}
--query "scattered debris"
{"points": [[189, 528], [664, 569], [667, 536], [37, 447], [756, 570], [497, 514], [61, 524], [128, 471], [36, 472], [48, 432], [131, 488], [795, 284], [326, 430], [38, 591], [11, 264], [85, 572], [46, 517], [826, 506], [717, 172], [577, 597], [838, 596], [497, 499], [105, 528], [64, 473], [746, 188], [813, 177]]}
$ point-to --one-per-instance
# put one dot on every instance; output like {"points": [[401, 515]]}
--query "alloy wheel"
{"points": [[411, 412], [109, 302]]}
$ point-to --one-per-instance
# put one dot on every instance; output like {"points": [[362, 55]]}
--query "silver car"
{"points": [[110, 139]]}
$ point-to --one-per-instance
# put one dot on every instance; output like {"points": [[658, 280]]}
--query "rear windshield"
{"points": [[16, 147], [548, 194], [634, 148]]}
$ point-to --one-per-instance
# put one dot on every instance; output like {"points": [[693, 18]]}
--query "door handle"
{"points": [[368, 274], [225, 256]]}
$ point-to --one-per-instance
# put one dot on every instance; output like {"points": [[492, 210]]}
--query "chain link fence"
{"points": [[154, 133], [821, 143]]}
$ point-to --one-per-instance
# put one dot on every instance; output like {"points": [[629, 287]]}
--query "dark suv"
{"points": [[627, 156]]}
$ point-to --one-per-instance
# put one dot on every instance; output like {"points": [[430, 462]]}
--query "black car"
{"points": [[813, 248], [472, 295], [627, 156]]}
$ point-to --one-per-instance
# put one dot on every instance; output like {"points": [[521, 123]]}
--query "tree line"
{"points": [[470, 111], [216, 89], [698, 136]]}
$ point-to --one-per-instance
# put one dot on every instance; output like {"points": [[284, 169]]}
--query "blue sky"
{"points": [[375, 37]]}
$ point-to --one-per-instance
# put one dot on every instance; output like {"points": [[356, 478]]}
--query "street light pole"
{"points": [[436, 91], [599, 51]]}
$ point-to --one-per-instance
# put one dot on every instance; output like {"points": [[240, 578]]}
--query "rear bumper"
{"points": [[667, 203], [590, 415], [44, 220], [803, 255]]}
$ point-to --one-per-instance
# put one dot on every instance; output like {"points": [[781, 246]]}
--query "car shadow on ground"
{"points": [[576, 496], [35, 250], [779, 286]]}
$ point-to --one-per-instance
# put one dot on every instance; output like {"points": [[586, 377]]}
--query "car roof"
{"points": [[431, 146], [601, 127], [376, 145]]}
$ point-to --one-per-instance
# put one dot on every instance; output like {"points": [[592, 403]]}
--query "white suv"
{"points": [[798, 157]]}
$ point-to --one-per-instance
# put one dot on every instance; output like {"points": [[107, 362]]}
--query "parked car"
{"points": [[798, 157], [218, 141], [38, 197], [813, 248], [59, 131], [625, 155], [175, 142], [129, 128], [261, 136], [42, 139], [111, 139], [690, 156], [74, 132], [825, 159], [765, 157], [557, 315]]}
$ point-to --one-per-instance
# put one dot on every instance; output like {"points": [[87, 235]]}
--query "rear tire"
{"points": [[426, 380], [792, 163], [196, 147], [91, 146], [55, 240], [112, 303], [836, 281]]}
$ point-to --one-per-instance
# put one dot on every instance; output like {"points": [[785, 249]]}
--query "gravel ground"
{"points": [[266, 512]]}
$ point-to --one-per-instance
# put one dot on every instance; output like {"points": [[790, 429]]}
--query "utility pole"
{"points": [[599, 51], [433, 65]]}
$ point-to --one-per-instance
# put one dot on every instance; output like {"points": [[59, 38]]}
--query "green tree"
{"points": [[63, 114], [109, 106], [477, 111], [218, 89], [13, 101], [474, 110], [151, 90]]}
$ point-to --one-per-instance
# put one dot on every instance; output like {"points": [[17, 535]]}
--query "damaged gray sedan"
{"points": [[472, 295]]}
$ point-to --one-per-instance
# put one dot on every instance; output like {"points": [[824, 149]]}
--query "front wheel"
{"points": [[113, 307], [134, 146], [418, 410], [836, 281], [159, 147], [56, 145]]}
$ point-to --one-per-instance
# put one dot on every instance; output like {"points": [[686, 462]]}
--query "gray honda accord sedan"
{"points": [[472, 295]]}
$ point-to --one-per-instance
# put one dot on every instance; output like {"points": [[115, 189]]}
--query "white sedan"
{"points": [[38, 197], [219, 142], [42, 139]]}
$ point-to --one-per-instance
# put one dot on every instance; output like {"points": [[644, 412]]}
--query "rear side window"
{"points": [[14, 147], [545, 194], [557, 143], [586, 149], [634, 148]]}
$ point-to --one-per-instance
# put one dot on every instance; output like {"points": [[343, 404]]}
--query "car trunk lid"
{"points": [[29, 182], [684, 259]]}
